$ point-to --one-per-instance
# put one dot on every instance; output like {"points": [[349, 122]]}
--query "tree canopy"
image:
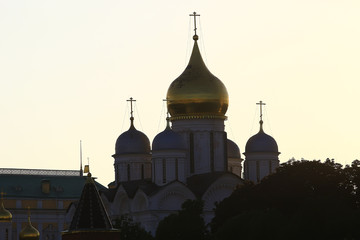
{"points": [[130, 230], [302, 200], [185, 224]]}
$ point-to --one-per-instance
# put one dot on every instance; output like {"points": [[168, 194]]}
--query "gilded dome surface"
{"points": [[5, 215], [197, 93], [29, 232]]}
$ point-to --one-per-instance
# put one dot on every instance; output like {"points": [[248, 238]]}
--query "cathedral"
{"points": [[191, 159]]}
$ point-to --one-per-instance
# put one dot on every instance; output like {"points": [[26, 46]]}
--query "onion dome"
{"points": [[132, 141], [5, 215], [197, 93], [29, 232], [261, 142], [233, 150], [168, 139]]}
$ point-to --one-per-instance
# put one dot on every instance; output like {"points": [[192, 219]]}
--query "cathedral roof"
{"points": [[167, 140], [199, 183], [131, 187], [261, 142], [90, 212], [197, 93], [132, 141]]}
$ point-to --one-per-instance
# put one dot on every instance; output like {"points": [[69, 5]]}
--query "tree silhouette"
{"points": [[302, 200], [186, 224]]}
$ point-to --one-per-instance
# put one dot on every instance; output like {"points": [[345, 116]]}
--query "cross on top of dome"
{"points": [[261, 103], [131, 109], [194, 14]]}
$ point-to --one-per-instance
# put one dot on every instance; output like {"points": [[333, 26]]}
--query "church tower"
{"points": [[132, 154], [261, 154], [168, 156], [197, 102]]}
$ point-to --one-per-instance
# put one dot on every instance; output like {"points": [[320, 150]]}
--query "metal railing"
{"points": [[41, 172]]}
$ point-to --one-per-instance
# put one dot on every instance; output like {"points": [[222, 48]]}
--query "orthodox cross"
{"points": [[194, 15], [29, 213], [131, 107], [167, 111], [261, 104]]}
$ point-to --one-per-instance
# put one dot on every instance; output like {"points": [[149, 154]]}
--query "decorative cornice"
{"points": [[187, 117]]}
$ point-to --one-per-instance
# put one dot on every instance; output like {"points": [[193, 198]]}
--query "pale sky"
{"points": [[68, 67]]}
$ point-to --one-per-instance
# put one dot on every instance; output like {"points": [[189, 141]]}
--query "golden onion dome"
{"points": [[29, 232], [5, 215], [197, 93]]}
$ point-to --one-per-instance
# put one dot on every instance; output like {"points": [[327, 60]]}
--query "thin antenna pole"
{"points": [[81, 170]]}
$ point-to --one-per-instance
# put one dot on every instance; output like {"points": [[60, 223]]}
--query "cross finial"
{"points": [[28, 211], [167, 114], [194, 14], [2, 194], [261, 103], [131, 109]]}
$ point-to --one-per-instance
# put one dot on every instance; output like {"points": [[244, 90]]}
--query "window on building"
{"points": [[142, 171], [128, 172], [212, 167], [177, 169], [192, 163], [164, 170]]}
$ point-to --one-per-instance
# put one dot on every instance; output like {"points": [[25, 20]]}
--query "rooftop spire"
{"points": [[194, 14], [261, 103], [90, 214], [131, 110], [167, 115]]}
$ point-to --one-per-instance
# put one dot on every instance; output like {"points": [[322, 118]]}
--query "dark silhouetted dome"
{"points": [[233, 150], [132, 141], [168, 139], [261, 142]]}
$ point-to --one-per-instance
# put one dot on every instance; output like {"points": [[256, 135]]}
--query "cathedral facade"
{"points": [[191, 159]]}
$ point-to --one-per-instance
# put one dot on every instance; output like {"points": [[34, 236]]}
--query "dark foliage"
{"points": [[186, 224], [302, 200], [130, 230]]}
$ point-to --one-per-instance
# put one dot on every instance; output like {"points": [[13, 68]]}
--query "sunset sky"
{"points": [[68, 67]]}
